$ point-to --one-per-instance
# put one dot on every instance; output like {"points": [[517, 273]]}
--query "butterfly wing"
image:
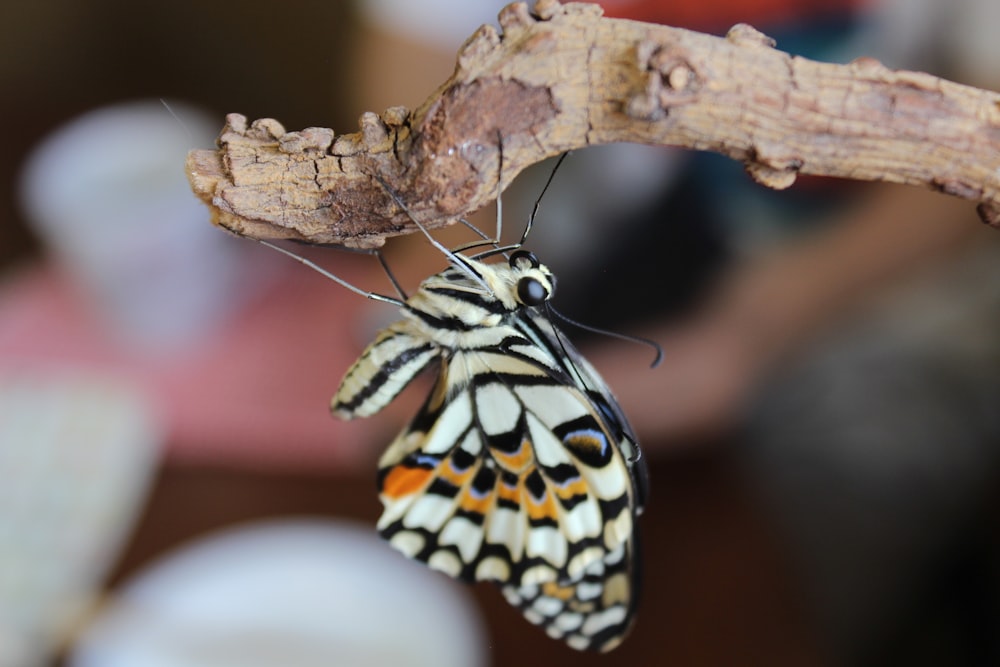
{"points": [[585, 376], [517, 472], [594, 613], [385, 368]]}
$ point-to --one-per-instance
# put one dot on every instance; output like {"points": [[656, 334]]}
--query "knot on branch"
{"points": [[772, 166], [309, 140], [671, 80], [379, 135], [517, 22], [743, 34], [989, 212]]}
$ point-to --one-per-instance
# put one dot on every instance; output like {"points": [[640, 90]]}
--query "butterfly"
{"points": [[520, 467]]}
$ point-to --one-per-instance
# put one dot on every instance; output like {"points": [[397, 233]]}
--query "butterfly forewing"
{"points": [[384, 369], [519, 468]]}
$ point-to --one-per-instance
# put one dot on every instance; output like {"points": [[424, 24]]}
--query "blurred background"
{"points": [[822, 434]]}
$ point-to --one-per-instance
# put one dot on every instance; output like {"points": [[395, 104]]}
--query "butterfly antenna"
{"points": [[374, 296], [498, 228], [453, 257], [484, 237], [531, 219], [388, 272], [658, 350], [179, 120], [538, 201]]}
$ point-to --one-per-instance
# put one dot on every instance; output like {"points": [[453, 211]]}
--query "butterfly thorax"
{"points": [[457, 307]]}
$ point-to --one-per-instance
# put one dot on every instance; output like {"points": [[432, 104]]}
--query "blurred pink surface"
{"points": [[253, 392]]}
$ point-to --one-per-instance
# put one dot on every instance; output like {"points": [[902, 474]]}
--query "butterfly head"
{"points": [[524, 281], [521, 282]]}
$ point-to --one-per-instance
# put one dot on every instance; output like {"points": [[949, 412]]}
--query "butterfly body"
{"points": [[520, 467]]}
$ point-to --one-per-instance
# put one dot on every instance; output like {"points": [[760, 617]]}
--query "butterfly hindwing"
{"points": [[592, 613], [511, 473]]}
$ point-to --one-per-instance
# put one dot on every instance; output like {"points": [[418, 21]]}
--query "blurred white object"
{"points": [[76, 455], [108, 195], [297, 594], [443, 24]]}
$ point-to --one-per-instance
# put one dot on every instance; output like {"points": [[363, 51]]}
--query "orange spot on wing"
{"points": [[470, 503], [588, 441], [577, 487], [541, 509], [520, 460], [403, 481], [448, 473], [511, 493], [554, 590]]}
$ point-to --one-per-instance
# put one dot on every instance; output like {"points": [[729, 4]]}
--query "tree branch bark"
{"points": [[563, 77]]}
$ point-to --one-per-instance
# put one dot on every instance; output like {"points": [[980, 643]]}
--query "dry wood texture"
{"points": [[563, 77]]}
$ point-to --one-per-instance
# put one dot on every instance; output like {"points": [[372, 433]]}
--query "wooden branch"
{"points": [[564, 77]]}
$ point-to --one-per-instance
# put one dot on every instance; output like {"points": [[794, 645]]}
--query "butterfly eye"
{"points": [[531, 291], [522, 259]]}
